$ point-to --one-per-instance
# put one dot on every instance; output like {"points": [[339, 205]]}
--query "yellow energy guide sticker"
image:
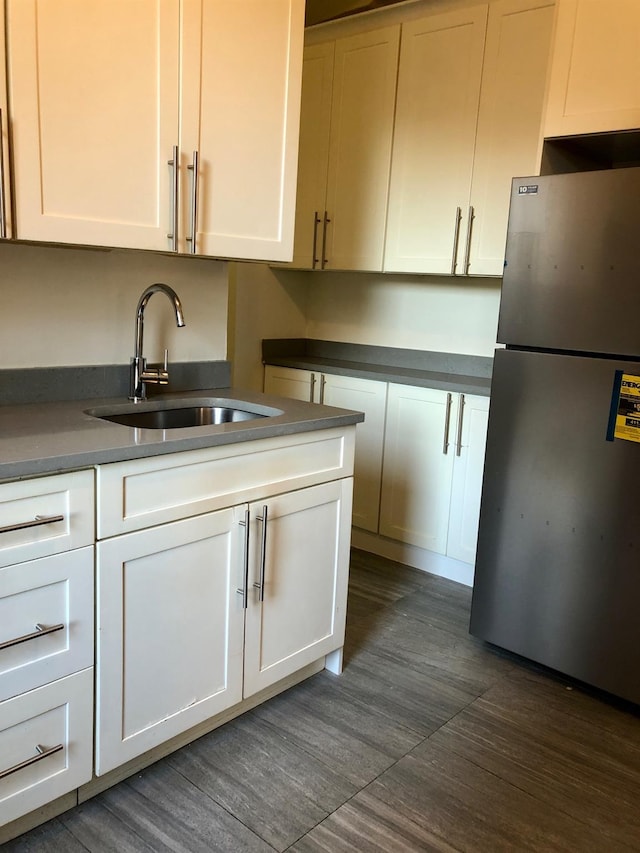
{"points": [[624, 421]]}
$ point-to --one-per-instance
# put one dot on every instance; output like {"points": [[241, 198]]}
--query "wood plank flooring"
{"points": [[429, 741]]}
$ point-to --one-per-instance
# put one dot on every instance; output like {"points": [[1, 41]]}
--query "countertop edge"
{"points": [[50, 438]]}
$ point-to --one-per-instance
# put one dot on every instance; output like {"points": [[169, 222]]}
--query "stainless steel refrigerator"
{"points": [[557, 575]]}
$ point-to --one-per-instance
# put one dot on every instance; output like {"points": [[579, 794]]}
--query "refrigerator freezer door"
{"points": [[558, 565], [572, 268]]}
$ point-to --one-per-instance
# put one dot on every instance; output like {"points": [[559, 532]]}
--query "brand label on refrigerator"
{"points": [[527, 189], [624, 417]]}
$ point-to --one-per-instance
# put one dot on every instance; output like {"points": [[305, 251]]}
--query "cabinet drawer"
{"points": [[59, 715], [55, 593], [146, 492], [45, 516]]}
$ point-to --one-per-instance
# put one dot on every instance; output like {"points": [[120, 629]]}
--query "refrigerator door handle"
{"points": [[447, 420]]}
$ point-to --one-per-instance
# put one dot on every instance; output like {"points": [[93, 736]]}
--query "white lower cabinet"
{"points": [[419, 456], [418, 464], [198, 613], [433, 465], [46, 744], [345, 392], [297, 581], [46, 639], [169, 633]]}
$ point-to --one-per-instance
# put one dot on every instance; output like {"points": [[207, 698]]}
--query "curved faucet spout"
{"points": [[142, 304], [139, 373]]}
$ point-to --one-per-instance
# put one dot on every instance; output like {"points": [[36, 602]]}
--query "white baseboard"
{"points": [[411, 555]]}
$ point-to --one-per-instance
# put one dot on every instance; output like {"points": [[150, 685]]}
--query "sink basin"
{"points": [[178, 414]]}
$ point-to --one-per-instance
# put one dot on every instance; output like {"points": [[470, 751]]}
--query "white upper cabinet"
{"points": [[93, 90], [110, 99], [595, 69], [511, 103], [349, 89], [362, 113], [313, 154], [470, 99], [437, 111], [241, 80]]}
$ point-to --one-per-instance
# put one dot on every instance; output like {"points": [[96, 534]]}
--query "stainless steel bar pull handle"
{"points": [[244, 589], [447, 418], [38, 521], [315, 260], [323, 382], [459, 430], [467, 251], [325, 222], [42, 752], [456, 240], [3, 202], [312, 387], [194, 202], [173, 236], [41, 631], [259, 585]]}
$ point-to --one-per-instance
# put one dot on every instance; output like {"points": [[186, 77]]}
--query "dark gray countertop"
{"points": [[464, 374], [41, 438]]}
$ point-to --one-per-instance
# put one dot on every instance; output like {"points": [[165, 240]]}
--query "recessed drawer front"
{"points": [[45, 516], [46, 620], [45, 744], [146, 492]]}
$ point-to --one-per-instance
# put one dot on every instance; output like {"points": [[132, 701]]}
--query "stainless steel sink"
{"points": [[178, 414]]}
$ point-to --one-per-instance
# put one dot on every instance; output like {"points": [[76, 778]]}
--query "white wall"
{"points": [[413, 312], [68, 306], [416, 312], [263, 303]]}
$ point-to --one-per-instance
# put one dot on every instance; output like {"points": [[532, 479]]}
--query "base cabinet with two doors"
{"points": [[221, 573], [419, 456]]}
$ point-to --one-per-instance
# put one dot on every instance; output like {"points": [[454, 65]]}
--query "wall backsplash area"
{"points": [[70, 306], [413, 312]]}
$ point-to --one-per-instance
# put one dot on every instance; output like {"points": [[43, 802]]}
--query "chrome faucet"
{"points": [[140, 373]]}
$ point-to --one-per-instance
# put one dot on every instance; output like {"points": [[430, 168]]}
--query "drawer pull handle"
{"points": [[42, 752], [41, 631], [37, 522]]}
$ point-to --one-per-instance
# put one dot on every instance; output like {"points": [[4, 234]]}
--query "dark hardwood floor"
{"points": [[429, 741]]}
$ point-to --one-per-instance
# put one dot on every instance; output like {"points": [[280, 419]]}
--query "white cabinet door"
{"points": [[362, 114], [240, 110], [313, 154], [466, 485], [298, 581], [169, 632], [595, 70], [368, 396], [94, 117], [435, 128], [511, 102], [419, 454], [290, 382]]}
